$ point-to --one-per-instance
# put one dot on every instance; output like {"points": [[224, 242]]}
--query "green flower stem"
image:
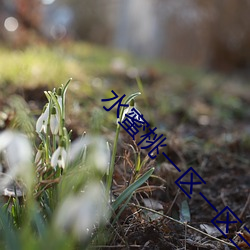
{"points": [[138, 163], [66, 136], [112, 164], [52, 95], [47, 140], [65, 87], [54, 142]]}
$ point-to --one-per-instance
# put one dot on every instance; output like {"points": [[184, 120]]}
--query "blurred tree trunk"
{"points": [[28, 13], [229, 34]]}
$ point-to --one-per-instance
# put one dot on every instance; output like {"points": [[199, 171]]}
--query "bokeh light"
{"points": [[11, 24], [48, 2]]}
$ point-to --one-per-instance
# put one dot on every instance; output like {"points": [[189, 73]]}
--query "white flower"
{"points": [[39, 154], [129, 110], [79, 214], [42, 122], [98, 152], [54, 121], [59, 158], [126, 111], [17, 152]]}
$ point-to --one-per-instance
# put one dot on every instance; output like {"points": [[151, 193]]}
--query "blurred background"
{"points": [[212, 34], [181, 50]]}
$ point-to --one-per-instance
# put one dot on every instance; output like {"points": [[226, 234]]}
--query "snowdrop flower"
{"points": [[59, 157], [79, 214], [129, 110], [39, 154], [98, 152], [42, 122], [17, 152], [54, 121]]}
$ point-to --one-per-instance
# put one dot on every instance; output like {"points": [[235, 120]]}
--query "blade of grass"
{"points": [[128, 191], [11, 239], [122, 209]]}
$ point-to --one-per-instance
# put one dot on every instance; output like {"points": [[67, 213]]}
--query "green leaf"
{"points": [[129, 190], [65, 87], [39, 222], [10, 236], [122, 209]]}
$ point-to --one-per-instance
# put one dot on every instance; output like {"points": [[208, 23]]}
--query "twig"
{"points": [[117, 246], [185, 224], [245, 207], [182, 223], [173, 202], [223, 197]]}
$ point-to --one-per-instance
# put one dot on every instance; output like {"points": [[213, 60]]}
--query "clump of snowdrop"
{"points": [[76, 169], [51, 155], [56, 154]]}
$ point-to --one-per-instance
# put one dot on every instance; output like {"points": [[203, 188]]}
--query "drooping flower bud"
{"points": [[39, 154], [59, 97], [54, 121]]}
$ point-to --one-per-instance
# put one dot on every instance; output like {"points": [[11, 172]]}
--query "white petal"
{"points": [[38, 156], [55, 156], [46, 113], [44, 127], [19, 151], [18, 155], [62, 161], [98, 154], [80, 213], [5, 139], [42, 121], [77, 148], [126, 111], [54, 124], [64, 154], [39, 123], [59, 99], [101, 155]]}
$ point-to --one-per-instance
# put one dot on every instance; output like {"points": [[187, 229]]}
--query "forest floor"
{"points": [[205, 117]]}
